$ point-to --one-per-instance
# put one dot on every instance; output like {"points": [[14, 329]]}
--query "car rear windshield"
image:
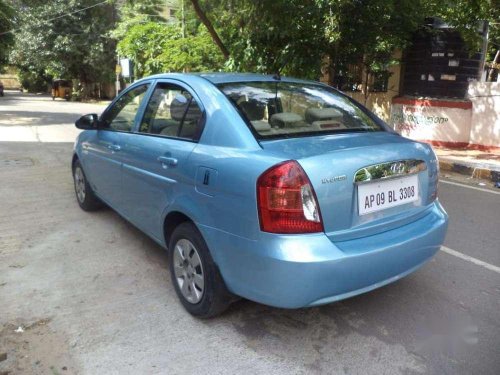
{"points": [[284, 109]]}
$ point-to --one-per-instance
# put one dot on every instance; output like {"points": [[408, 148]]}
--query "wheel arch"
{"points": [[73, 160], [172, 221]]}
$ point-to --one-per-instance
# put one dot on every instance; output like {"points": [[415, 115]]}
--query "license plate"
{"points": [[380, 195]]}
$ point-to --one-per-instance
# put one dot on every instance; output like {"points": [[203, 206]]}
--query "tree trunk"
{"points": [[203, 18], [333, 68], [367, 88]]}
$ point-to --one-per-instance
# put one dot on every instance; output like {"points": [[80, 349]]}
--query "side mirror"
{"points": [[87, 122]]}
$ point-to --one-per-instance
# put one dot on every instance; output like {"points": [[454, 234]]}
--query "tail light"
{"points": [[286, 200]]}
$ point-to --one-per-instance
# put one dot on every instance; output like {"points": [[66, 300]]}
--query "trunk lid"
{"points": [[331, 163]]}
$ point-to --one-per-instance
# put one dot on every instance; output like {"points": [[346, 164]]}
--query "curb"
{"points": [[470, 169]]}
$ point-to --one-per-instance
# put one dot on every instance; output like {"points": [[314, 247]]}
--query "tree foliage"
{"points": [[464, 15], [262, 35], [303, 38], [6, 24], [265, 35], [268, 34], [135, 12], [156, 45], [61, 39], [156, 48]]}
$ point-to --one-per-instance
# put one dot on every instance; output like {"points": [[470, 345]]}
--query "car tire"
{"points": [[187, 248], [85, 196]]}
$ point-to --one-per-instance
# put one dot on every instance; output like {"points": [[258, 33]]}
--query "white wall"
{"points": [[434, 120], [474, 122], [485, 121]]}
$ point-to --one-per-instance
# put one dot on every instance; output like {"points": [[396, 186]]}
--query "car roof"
{"points": [[217, 78], [221, 78]]}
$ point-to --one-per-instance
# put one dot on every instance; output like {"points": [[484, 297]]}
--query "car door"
{"points": [[103, 151], [156, 164]]}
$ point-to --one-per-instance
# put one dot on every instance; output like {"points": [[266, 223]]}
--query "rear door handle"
{"points": [[167, 161], [114, 147]]}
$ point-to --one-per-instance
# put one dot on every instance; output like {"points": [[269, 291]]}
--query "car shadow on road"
{"points": [[153, 252], [389, 325]]}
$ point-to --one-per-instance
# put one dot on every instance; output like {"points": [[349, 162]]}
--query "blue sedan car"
{"points": [[282, 191]]}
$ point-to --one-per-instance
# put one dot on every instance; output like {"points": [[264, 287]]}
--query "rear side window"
{"points": [[172, 112], [283, 109]]}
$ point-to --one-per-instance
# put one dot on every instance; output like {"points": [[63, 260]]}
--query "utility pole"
{"points": [[183, 25], [183, 20], [485, 29]]}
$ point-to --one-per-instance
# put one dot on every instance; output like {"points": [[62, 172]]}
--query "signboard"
{"points": [[126, 68]]}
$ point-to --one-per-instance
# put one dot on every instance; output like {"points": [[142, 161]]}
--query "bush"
{"points": [[34, 81]]}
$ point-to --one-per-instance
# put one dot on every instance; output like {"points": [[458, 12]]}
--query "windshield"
{"points": [[284, 109]]}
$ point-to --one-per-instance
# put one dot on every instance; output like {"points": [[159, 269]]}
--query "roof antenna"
{"points": [[277, 75]]}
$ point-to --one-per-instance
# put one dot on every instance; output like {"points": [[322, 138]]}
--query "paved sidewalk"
{"points": [[474, 163]]}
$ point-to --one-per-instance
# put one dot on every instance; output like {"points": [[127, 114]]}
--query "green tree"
{"points": [[6, 37], [368, 32], [132, 13], [464, 16], [262, 35], [66, 39], [156, 48], [192, 53]]}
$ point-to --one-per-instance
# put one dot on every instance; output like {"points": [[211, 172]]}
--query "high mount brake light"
{"points": [[286, 201]]}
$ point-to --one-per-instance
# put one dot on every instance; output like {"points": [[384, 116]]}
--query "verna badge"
{"points": [[334, 179]]}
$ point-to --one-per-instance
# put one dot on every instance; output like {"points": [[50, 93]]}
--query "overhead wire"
{"points": [[61, 16]]}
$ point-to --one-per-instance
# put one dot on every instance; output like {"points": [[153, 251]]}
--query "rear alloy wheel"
{"points": [[188, 271], [195, 276], [85, 196]]}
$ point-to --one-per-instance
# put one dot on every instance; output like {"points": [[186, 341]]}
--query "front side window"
{"points": [[284, 109], [121, 116], [172, 112]]}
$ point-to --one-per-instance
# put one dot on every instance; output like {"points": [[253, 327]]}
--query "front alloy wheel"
{"points": [[79, 184], [85, 196]]}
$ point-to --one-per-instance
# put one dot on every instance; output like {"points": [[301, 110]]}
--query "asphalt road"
{"points": [[92, 295]]}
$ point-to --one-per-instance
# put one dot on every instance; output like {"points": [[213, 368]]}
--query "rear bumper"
{"points": [[293, 271]]}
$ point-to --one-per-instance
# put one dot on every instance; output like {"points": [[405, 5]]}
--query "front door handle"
{"points": [[114, 147], [167, 161]]}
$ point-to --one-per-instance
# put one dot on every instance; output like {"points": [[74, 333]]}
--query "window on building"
{"points": [[350, 79], [380, 81]]}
